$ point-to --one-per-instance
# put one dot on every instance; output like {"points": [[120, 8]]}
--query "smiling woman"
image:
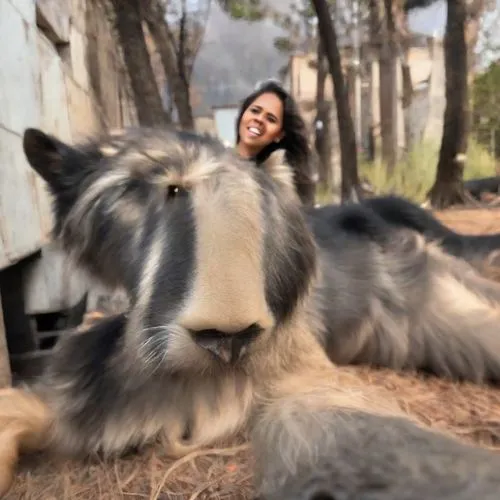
{"points": [[261, 124], [270, 120]]}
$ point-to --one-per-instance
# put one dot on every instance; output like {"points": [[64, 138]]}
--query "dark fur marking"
{"points": [[329, 220], [401, 213], [284, 289], [90, 372], [176, 264], [171, 279]]}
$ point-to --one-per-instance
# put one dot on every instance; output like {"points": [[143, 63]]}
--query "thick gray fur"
{"points": [[381, 458], [379, 298]]}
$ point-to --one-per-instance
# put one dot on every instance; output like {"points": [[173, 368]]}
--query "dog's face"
{"points": [[213, 251]]}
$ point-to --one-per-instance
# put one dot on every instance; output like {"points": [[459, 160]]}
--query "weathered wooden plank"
{"points": [[78, 49], [19, 229], [5, 373], [54, 334], [30, 364], [18, 69], [54, 116], [51, 283], [18, 326], [79, 10], [53, 17], [20, 233], [84, 116], [39, 89], [102, 66], [26, 9]]}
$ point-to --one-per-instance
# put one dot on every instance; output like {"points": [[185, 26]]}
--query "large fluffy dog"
{"points": [[239, 305], [382, 212]]}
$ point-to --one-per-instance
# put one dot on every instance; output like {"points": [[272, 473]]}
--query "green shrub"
{"points": [[414, 175], [480, 163]]}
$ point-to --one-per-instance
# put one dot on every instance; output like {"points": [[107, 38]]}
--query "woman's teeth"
{"points": [[254, 131]]}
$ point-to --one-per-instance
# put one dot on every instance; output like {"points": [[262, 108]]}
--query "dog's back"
{"points": [[387, 297]]}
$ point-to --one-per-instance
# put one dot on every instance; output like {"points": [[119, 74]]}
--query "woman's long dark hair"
{"points": [[295, 143]]}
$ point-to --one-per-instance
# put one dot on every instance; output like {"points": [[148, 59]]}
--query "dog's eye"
{"points": [[175, 191], [172, 191]]}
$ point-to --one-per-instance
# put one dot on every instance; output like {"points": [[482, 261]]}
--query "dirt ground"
{"points": [[470, 412], [472, 220]]}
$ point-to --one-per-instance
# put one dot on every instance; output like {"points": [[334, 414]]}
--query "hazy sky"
{"points": [[433, 19], [430, 20]]}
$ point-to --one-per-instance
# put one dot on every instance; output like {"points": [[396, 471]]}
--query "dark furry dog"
{"points": [[382, 213], [239, 305]]}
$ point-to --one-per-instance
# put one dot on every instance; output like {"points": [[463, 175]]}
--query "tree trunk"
{"points": [[147, 97], [323, 141], [374, 56], [349, 161], [404, 36], [154, 14], [448, 187], [407, 97], [371, 143], [388, 90]]}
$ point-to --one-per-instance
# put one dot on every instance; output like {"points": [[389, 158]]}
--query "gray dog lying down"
{"points": [[378, 215], [228, 334]]}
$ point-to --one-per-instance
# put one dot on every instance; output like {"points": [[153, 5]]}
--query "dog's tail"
{"points": [[403, 213], [475, 187], [25, 422]]}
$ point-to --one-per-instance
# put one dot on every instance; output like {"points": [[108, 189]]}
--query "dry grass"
{"points": [[470, 412], [466, 410], [219, 474], [415, 173]]}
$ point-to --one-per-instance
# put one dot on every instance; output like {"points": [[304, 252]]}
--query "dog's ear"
{"points": [[45, 154], [277, 167]]}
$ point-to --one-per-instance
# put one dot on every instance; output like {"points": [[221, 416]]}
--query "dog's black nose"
{"points": [[229, 347]]}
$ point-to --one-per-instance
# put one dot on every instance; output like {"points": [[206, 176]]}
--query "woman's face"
{"points": [[261, 124]]}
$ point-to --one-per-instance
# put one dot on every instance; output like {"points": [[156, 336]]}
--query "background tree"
{"points": [[348, 150], [323, 123], [178, 28], [127, 20], [389, 44], [403, 43], [448, 186], [388, 94], [300, 33]]}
